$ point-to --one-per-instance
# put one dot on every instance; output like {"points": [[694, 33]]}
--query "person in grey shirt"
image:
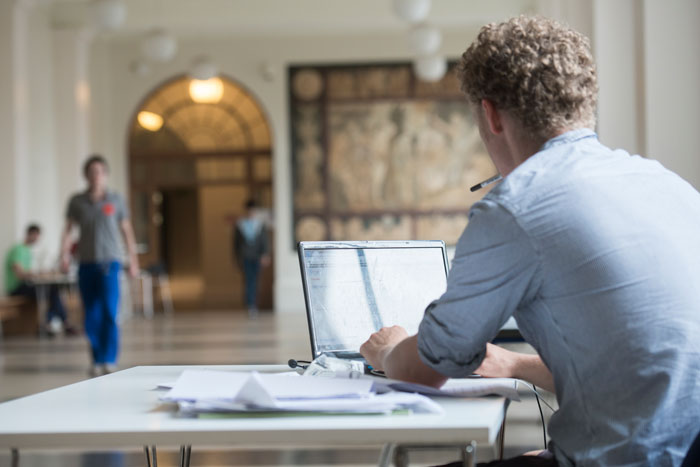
{"points": [[593, 251], [101, 216]]}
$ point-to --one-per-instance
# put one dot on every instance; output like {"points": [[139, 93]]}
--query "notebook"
{"points": [[353, 289]]}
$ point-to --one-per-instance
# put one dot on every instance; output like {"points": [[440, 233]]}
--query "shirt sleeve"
{"points": [[494, 271], [72, 213], [122, 210], [14, 257]]}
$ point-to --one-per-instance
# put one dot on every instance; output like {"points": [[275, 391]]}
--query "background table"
{"points": [[42, 282], [123, 410]]}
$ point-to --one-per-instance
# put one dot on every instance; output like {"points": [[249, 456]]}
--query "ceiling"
{"points": [[285, 17]]}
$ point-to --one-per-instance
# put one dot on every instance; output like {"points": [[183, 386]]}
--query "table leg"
{"points": [[166, 297], [502, 439], [15, 457], [185, 454], [401, 456], [147, 295], [400, 452], [386, 455], [151, 455], [42, 305], [469, 455]]}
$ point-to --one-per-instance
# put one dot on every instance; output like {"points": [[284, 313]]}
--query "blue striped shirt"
{"points": [[596, 254]]}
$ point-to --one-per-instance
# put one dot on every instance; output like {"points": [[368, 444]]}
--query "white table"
{"points": [[122, 410]]}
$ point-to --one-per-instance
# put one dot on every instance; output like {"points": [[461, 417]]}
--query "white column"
{"points": [[71, 107], [13, 121], [672, 85], [619, 52], [41, 179], [576, 13]]}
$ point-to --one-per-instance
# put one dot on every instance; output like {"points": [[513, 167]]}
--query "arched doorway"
{"points": [[197, 154]]}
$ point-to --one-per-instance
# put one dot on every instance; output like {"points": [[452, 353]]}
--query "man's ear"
{"points": [[493, 116]]}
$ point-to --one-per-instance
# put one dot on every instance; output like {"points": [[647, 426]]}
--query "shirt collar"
{"points": [[568, 137]]}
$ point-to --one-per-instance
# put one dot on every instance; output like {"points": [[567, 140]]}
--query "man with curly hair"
{"points": [[593, 251]]}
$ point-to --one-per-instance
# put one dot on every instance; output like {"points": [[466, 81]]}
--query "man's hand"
{"points": [[134, 270], [502, 363], [380, 344], [65, 263], [498, 363]]}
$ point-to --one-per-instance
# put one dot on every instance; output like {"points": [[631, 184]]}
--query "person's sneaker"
{"points": [[95, 370], [107, 369], [55, 326]]}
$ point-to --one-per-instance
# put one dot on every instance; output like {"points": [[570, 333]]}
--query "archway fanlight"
{"points": [[209, 91], [149, 120]]}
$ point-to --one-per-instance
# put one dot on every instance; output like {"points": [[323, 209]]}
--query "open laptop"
{"points": [[353, 289]]}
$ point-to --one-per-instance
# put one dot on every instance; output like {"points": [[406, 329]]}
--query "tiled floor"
{"points": [[30, 365]]}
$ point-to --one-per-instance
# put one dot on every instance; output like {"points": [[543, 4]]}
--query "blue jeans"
{"points": [[56, 308], [99, 289], [251, 271]]}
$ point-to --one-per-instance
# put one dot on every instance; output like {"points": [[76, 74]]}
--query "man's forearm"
{"points": [[66, 240], [532, 369], [130, 240], [403, 362]]}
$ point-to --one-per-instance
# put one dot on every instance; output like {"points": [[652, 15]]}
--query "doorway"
{"points": [[193, 166], [180, 245]]}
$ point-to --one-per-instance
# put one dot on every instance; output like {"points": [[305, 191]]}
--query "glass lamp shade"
{"points": [[149, 120], [424, 39], [413, 11], [430, 68], [203, 69], [108, 14], [159, 46], [208, 91]]}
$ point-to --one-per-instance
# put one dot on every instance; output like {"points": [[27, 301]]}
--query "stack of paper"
{"points": [[199, 391]]}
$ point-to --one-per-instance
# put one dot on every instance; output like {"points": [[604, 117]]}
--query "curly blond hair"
{"points": [[540, 71]]}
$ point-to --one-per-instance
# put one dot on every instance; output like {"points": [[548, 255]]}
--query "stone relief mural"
{"points": [[379, 155]]}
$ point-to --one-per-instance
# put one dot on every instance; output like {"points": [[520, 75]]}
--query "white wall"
{"points": [[649, 76]]}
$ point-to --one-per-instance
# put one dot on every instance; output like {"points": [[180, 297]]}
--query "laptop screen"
{"points": [[352, 292]]}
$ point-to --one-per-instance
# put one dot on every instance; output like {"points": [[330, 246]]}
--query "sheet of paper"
{"points": [[264, 390], [194, 385], [310, 387]]}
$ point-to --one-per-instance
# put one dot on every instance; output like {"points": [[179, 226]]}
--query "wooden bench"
{"points": [[17, 316]]}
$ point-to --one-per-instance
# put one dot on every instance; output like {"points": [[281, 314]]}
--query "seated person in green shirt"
{"points": [[18, 278]]}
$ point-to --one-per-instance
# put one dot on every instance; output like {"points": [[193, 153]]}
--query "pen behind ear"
{"points": [[486, 182]]}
